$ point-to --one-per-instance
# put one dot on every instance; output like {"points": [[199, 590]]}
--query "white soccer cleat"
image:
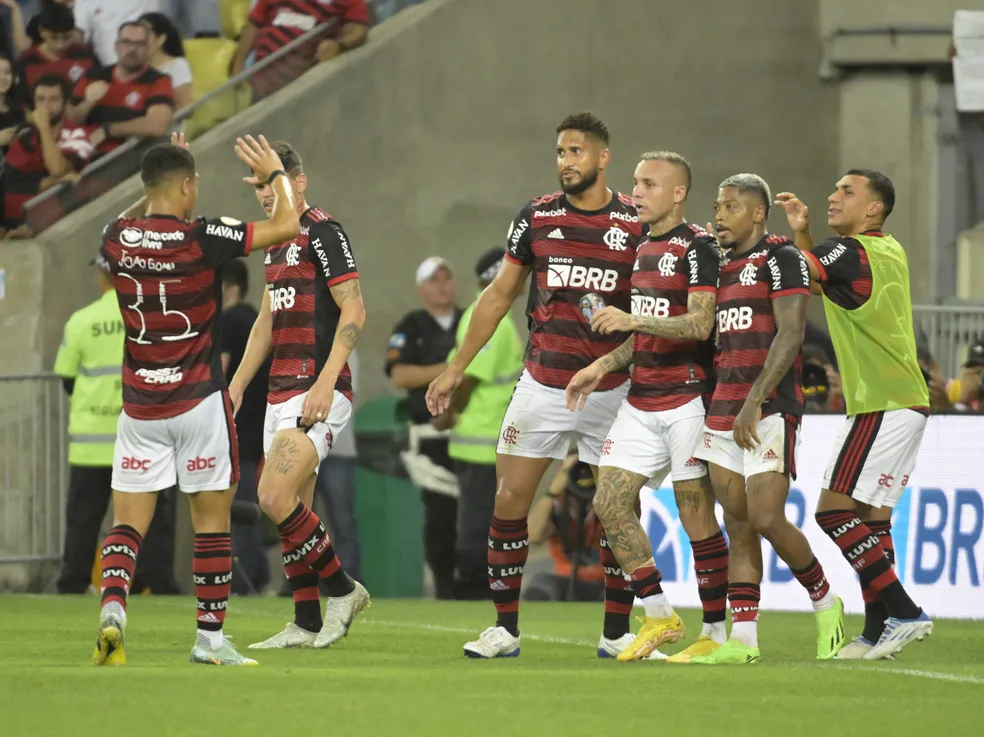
{"points": [[495, 642], [898, 633], [292, 636], [339, 614], [856, 649]]}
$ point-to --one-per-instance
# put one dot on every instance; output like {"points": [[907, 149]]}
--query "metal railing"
{"points": [[947, 332], [123, 162], [33, 468]]}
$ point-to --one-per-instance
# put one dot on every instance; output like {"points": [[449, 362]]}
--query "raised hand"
{"points": [[797, 213], [259, 157], [178, 139]]}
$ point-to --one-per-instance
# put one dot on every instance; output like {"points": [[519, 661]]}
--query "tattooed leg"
{"points": [[289, 465], [615, 504], [695, 500]]}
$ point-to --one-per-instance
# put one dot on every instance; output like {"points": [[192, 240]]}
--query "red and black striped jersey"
{"points": [[25, 169], [669, 373], [746, 327], [165, 273], [34, 63], [845, 274], [279, 22], [126, 99], [581, 261], [299, 276]]}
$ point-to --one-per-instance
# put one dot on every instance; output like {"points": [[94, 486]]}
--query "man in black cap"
{"points": [[415, 356], [475, 417], [970, 381]]}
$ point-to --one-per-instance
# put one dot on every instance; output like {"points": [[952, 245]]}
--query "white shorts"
{"points": [[874, 455], [538, 424], [288, 415], [645, 442], [197, 449], [775, 453]]}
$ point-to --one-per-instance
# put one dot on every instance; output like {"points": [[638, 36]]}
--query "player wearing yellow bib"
{"points": [[863, 275]]}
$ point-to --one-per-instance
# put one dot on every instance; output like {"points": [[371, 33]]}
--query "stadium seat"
{"points": [[209, 59], [234, 15]]}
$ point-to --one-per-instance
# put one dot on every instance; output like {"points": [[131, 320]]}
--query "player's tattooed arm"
{"points": [[615, 505], [348, 296], [618, 359], [695, 325], [790, 316]]}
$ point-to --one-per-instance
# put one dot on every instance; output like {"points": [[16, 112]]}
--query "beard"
{"points": [[585, 182]]}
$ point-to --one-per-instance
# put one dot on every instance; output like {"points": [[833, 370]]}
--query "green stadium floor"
{"points": [[401, 672]]}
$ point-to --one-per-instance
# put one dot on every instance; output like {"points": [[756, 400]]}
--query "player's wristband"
{"points": [[274, 175]]}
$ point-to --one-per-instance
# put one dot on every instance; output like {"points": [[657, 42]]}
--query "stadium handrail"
{"points": [[899, 30], [187, 112]]}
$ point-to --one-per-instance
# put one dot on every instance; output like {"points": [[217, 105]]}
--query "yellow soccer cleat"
{"points": [[109, 645], [703, 646], [653, 634]]}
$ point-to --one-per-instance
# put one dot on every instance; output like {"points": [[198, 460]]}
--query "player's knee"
{"points": [[275, 500], [769, 522], [604, 502], [511, 502]]}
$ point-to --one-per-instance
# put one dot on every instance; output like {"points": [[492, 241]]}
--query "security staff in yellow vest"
{"points": [[475, 418], [89, 362]]}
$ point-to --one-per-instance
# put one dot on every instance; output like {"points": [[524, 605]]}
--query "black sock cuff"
{"points": [[292, 517]]}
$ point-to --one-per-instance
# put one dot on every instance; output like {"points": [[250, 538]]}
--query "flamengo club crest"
{"points": [[616, 238], [293, 254], [747, 276], [667, 264]]}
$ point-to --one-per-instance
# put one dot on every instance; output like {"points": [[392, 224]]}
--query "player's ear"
{"points": [[875, 209], [301, 183], [604, 157], [679, 193]]}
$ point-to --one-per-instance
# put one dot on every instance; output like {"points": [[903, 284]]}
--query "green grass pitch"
{"points": [[401, 672]]}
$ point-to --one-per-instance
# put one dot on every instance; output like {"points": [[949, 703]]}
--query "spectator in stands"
{"points": [[11, 116], [275, 23], [50, 150], [128, 98], [970, 381], [167, 55], [17, 40], [33, 28], [821, 381], [939, 398], [99, 21], [58, 52], [554, 520], [238, 317]]}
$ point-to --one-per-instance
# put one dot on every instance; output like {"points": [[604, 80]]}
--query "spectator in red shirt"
{"points": [[128, 98], [11, 115], [275, 23], [58, 51], [49, 150]]}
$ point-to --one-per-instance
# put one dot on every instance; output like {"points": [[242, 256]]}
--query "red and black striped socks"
{"points": [[711, 567], [212, 572], [509, 547], [744, 598], [875, 611], [646, 583], [619, 595], [308, 554], [864, 551], [119, 560], [812, 579]]}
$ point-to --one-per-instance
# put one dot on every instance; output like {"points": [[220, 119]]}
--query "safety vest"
{"points": [[496, 368], [875, 343], [91, 353]]}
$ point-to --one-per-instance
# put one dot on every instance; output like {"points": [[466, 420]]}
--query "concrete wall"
{"points": [[431, 138]]}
